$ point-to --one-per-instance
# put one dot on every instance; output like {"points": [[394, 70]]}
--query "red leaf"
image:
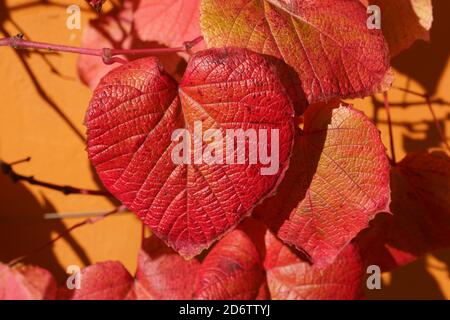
{"points": [[291, 277], [26, 283], [337, 182], [231, 271], [420, 222], [102, 281], [163, 274], [170, 22], [137, 107], [326, 41], [115, 30]]}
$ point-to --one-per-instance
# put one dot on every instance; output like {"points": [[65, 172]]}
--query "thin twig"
{"points": [[107, 54], [7, 169], [74, 215]]}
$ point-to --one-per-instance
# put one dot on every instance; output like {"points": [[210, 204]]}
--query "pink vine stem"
{"points": [[107, 54], [66, 232], [391, 133], [433, 114]]}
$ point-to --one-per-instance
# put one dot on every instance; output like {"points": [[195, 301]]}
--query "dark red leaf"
{"points": [[420, 222]]}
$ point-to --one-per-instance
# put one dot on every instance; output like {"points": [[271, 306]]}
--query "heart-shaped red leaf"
{"points": [[337, 182], [231, 271], [326, 41], [135, 111], [26, 283]]}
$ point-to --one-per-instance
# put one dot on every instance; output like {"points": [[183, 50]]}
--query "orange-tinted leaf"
{"points": [[231, 271], [136, 109], [420, 222], [337, 182], [26, 283], [404, 22], [326, 41]]}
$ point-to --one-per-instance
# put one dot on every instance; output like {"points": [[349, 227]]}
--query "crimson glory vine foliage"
{"points": [[225, 127]]}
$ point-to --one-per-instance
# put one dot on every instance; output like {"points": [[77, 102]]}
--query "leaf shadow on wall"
{"points": [[424, 62], [23, 229], [115, 30], [415, 281], [427, 133], [411, 282], [24, 55]]}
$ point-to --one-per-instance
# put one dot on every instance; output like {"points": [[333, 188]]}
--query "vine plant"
{"points": [[336, 203]]}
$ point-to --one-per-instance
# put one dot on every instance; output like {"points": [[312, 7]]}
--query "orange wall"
{"points": [[32, 124]]}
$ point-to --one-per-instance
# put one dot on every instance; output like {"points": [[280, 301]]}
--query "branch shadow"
{"points": [[411, 282], [430, 135], [23, 55], [23, 229]]}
